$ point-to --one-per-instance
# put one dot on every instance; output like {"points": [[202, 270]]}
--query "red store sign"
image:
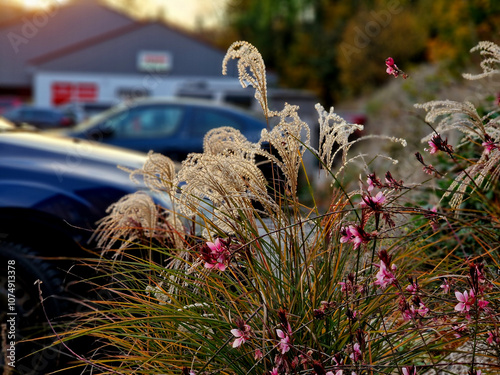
{"points": [[66, 92]]}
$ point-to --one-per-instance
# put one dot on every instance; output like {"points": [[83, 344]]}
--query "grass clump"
{"points": [[238, 276]]}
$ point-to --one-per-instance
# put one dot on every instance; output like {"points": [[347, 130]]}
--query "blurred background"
{"points": [[60, 52]]}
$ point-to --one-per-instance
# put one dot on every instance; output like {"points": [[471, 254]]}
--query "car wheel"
{"points": [[23, 316]]}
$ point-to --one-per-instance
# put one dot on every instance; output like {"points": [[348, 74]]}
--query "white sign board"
{"points": [[154, 61]]}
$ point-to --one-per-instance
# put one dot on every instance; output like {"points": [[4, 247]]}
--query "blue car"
{"points": [[41, 118], [52, 193], [173, 127]]}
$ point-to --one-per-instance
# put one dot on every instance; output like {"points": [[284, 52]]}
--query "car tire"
{"points": [[24, 315]]}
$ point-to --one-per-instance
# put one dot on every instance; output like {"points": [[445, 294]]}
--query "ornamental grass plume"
{"points": [[447, 116], [243, 278]]}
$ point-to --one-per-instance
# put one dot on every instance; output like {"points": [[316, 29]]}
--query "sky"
{"points": [[186, 13]]}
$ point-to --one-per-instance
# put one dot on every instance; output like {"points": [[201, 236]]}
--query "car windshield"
{"points": [[97, 118]]}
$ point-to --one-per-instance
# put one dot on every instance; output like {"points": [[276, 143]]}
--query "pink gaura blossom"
{"points": [[375, 203], [422, 309], [482, 303], [358, 237], [370, 187], [489, 340], [346, 234], [445, 286], [412, 288], [284, 341], [218, 256], [373, 181], [242, 334], [258, 354], [466, 300], [409, 370], [274, 371], [384, 277], [433, 146], [356, 353], [354, 234], [437, 143], [460, 330], [392, 69], [488, 144], [412, 312]]}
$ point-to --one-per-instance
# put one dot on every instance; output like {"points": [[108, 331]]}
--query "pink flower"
{"points": [[482, 303], [356, 353], [242, 334], [354, 234], [218, 255], [488, 144], [439, 144], [433, 146], [346, 235], [459, 330], [357, 234], [410, 370], [258, 354], [384, 277], [489, 340], [392, 69], [465, 299], [412, 288], [422, 309], [412, 312], [274, 371], [375, 203], [284, 341], [371, 186], [445, 286]]}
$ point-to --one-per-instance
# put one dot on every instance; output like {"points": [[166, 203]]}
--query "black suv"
{"points": [[52, 192]]}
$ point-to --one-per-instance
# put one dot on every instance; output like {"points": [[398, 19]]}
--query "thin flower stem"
{"points": [[227, 342]]}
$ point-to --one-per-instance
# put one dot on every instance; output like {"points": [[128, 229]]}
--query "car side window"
{"points": [[208, 119], [151, 121]]}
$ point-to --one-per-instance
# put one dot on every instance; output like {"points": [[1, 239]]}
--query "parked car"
{"points": [[52, 193], [42, 118], [9, 102], [174, 127], [80, 112]]}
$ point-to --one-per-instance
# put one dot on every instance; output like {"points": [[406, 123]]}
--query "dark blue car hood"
{"points": [[74, 180]]}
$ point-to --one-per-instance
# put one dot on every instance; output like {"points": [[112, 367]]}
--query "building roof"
{"points": [[87, 36]]}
